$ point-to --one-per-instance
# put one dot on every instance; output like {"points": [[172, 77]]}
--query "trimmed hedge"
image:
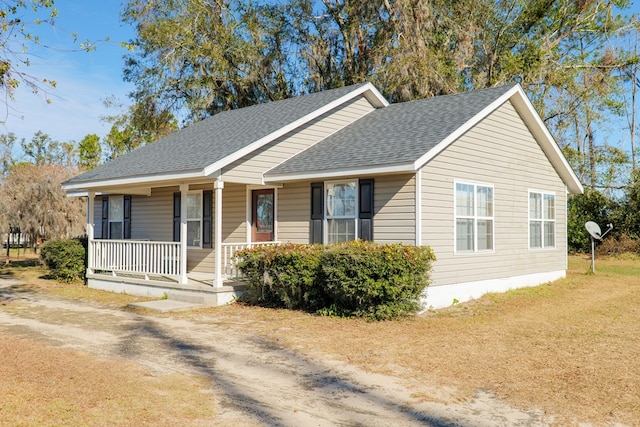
{"points": [[282, 275], [65, 259], [362, 279], [365, 279]]}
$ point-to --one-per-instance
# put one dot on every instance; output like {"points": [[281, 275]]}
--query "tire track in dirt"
{"points": [[253, 380]]}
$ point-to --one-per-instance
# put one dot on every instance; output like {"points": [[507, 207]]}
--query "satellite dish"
{"points": [[596, 234], [593, 229]]}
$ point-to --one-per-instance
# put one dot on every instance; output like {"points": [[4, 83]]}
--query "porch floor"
{"points": [[198, 292], [195, 280]]}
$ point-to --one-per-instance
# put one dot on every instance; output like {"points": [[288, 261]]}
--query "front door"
{"points": [[262, 215]]}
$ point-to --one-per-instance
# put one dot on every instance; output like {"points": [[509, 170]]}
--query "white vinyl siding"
{"points": [[250, 168], [499, 150], [293, 212], [394, 209], [152, 216], [234, 213], [542, 220]]}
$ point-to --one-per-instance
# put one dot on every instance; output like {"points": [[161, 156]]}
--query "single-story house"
{"points": [[475, 176]]}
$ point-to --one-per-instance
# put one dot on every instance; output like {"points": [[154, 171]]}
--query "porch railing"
{"points": [[136, 256], [230, 263], [155, 258]]}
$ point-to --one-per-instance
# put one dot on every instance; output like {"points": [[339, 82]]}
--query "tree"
{"points": [[206, 56], [590, 206], [89, 152], [142, 123], [32, 199], [628, 217], [7, 159], [631, 76], [43, 150], [337, 42], [212, 56], [14, 38]]}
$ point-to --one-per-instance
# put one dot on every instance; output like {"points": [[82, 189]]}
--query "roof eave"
{"points": [[367, 90], [132, 181], [544, 137], [339, 173], [536, 126]]}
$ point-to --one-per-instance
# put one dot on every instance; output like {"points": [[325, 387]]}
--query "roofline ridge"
{"points": [[360, 90]]}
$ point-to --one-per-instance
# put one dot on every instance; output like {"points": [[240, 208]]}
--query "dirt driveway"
{"points": [[253, 381]]}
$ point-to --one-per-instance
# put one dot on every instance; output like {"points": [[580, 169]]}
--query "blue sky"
{"points": [[84, 79]]}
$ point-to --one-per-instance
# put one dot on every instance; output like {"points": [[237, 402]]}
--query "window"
{"points": [[474, 217], [341, 213], [198, 218], [542, 220], [116, 217], [194, 218]]}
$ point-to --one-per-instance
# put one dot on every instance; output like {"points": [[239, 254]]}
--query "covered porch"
{"points": [[146, 263], [155, 269]]}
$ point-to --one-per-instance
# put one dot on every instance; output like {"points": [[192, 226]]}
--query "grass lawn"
{"points": [[50, 386], [569, 348]]}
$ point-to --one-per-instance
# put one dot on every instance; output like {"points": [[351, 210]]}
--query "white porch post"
{"points": [[90, 232], [184, 189], [418, 202], [218, 186]]}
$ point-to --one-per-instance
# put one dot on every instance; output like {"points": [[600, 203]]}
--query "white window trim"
{"points": [[111, 220], [199, 246], [475, 218], [542, 220], [325, 225]]}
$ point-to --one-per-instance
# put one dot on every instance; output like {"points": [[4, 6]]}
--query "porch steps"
{"points": [[177, 300], [196, 298]]}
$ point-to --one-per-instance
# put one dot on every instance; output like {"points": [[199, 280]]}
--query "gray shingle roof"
{"points": [[398, 134], [211, 140]]}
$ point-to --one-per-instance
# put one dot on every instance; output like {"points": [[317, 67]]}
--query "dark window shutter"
{"points": [[317, 212], [126, 226], [176, 216], [105, 218], [207, 216], [365, 211]]}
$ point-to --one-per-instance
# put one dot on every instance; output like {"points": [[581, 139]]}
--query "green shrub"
{"points": [[252, 264], [283, 275], [65, 259], [370, 280], [361, 279]]}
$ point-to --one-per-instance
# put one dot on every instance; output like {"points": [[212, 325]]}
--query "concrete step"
{"points": [[165, 305], [187, 300], [212, 297], [193, 297]]}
